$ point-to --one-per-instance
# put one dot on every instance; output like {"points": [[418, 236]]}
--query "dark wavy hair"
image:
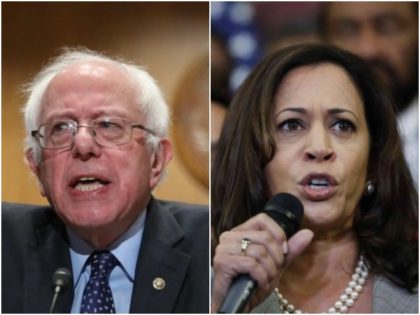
{"points": [[387, 224]]}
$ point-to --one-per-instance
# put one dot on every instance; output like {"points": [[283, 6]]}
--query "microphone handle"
{"points": [[57, 290], [237, 297]]}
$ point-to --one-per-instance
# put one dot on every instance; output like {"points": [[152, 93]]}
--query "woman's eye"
{"points": [[290, 125], [344, 125]]}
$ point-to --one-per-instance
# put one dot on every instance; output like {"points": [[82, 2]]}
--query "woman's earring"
{"points": [[369, 188]]}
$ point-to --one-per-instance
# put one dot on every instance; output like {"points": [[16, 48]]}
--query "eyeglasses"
{"points": [[107, 132]]}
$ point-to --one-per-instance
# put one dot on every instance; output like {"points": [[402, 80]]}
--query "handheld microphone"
{"points": [[287, 211], [61, 281]]}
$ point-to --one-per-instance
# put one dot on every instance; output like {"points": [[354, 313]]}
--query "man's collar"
{"points": [[124, 248]]}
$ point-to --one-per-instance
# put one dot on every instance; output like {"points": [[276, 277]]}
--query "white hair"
{"points": [[149, 97]]}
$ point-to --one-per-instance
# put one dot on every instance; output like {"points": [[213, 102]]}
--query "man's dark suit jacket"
{"points": [[174, 247]]}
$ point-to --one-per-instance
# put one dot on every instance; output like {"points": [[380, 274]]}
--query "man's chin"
{"points": [[90, 217], [385, 78]]}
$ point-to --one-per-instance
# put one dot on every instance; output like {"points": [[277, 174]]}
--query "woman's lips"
{"points": [[318, 194], [318, 186]]}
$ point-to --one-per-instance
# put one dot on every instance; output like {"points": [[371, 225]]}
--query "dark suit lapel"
{"points": [[159, 258], [46, 253]]}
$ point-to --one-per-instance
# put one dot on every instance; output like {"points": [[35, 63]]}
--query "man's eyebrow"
{"points": [[387, 15]]}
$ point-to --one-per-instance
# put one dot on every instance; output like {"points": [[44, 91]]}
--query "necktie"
{"points": [[97, 296]]}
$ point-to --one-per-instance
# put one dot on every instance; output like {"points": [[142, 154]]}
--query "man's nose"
{"points": [[319, 146], [369, 44], [84, 144]]}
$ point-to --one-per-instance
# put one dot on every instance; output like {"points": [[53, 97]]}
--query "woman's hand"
{"points": [[264, 260]]}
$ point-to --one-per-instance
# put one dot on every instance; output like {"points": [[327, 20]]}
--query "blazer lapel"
{"points": [[45, 254], [161, 267]]}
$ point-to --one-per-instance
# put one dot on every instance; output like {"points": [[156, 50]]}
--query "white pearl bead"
{"points": [[290, 308], [354, 295], [361, 281], [344, 309], [346, 300]]}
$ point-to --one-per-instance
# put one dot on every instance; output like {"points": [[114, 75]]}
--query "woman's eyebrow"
{"points": [[299, 110], [334, 111]]}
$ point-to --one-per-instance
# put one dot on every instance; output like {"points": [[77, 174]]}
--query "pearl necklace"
{"points": [[346, 300]]}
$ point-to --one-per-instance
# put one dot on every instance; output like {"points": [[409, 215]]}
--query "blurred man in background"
{"points": [[385, 34]]}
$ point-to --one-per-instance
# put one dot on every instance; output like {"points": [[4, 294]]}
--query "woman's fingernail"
{"points": [[285, 248]]}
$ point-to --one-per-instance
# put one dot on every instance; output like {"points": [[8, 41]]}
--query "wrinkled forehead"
{"points": [[93, 74], [91, 83], [361, 11]]}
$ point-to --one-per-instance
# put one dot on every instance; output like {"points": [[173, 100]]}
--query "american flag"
{"points": [[235, 23]]}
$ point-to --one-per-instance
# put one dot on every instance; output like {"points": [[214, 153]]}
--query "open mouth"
{"points": [[318, 186], [86, 184], [318, 183], [318, 180]]}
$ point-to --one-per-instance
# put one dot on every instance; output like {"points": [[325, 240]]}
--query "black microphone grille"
{"points": [[62, 277], [286, 210]]}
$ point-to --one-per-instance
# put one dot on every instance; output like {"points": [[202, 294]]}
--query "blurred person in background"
{"points": [[221, 67], [96, 140], [385, 35], [218, 113]]}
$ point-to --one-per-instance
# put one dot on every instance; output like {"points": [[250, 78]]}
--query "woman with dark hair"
{"points": [[312, 121]]}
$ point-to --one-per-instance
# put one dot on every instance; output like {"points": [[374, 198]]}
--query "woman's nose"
{"points": [[319, 146]]}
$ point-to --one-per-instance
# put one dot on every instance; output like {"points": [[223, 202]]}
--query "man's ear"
{"points": [[160, 158], [34, 166]]}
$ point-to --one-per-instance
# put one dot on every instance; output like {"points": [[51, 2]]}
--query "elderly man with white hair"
{"points": [[97, 143]]}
